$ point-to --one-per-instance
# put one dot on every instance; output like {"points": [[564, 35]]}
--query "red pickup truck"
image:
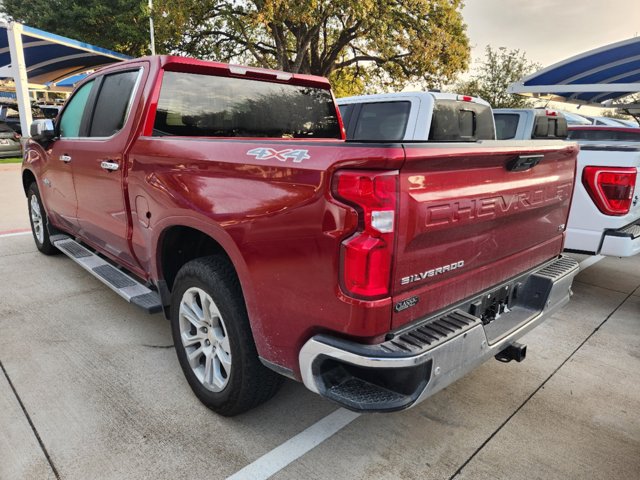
{"points": [[227, 197]]}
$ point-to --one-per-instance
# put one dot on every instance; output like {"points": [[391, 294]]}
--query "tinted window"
{"points": [[506, 125], [455, 121], [621, 136], [345, 112], [112, 106], [203, 105], [382, 122], [72, 115]]}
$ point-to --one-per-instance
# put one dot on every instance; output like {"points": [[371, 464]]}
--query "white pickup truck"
{"points": [[605, 210], [416, 117]]}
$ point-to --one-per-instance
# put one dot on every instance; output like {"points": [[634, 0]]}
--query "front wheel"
{"points": [[213, 339], [38, 219]]}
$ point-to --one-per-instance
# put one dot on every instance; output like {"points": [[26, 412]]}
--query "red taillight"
{"points": [[367, 255], [551, 113], [610, 188], [465, 98]]}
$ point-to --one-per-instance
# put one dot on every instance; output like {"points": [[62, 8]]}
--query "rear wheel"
{"points": [[213, 339], [38, 219]]}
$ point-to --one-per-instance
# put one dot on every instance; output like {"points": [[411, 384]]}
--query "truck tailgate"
{"points": [[474, 215]]}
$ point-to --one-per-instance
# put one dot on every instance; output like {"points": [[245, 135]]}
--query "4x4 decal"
{"points": [[283, 155]]}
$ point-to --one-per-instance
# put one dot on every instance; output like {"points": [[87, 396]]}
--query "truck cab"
{"points": [[529, 124], [417, 117]]}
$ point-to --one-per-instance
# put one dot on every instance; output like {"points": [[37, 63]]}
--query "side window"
{"points": [[382, 122], [72, 115], [113, 103]]}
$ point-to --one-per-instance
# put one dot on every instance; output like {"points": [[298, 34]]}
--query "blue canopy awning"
{"points": [[607, 73], [35, 59], [50, 58]]}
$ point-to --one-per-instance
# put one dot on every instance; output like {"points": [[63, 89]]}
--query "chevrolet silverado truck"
{"points": [[377, 273], [605, 211]]}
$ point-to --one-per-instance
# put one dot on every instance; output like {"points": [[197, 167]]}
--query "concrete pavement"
{"points": [[13, 203]]}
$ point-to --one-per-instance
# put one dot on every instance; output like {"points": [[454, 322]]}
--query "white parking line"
{"points": [[278, 458], [15, 234], [587, 262]]}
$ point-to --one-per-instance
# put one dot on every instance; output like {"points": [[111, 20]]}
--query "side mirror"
{"points": [[42, 129]]}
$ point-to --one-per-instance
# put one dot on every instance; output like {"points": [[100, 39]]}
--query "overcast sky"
{"points": [[550, 30]]}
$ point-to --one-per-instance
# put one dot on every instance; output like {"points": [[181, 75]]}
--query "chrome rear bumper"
{"points": [[430, 355]]}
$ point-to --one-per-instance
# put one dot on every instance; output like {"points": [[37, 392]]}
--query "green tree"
{"points": [[360, 44], [490, 79], [390, 43], [120, 25]]}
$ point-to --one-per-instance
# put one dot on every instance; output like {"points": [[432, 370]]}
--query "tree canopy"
{"points": [[490, 79], [120, 25], [389, 42], [360, 44]]}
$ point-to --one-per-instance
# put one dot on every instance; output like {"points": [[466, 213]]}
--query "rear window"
{"points": [[506, 125], [210, 106], [609, 135], [382, 121], [455, 121], [549, 127]]}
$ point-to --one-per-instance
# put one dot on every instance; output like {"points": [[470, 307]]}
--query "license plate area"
{"points": [[494, 304]]}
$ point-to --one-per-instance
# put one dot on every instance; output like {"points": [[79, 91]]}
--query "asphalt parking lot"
{"points": [[91, 388]]}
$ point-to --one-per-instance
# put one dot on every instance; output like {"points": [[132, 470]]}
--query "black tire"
{"points": [[249, 382], [40, 233]]}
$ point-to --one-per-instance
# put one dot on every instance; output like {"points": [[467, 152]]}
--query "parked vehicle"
{"points": [[227, 197], [529, 124], [608, 121], [9, 142], [605, 212], [416, 116], [49, 110], [10, 116], [606, 134], [574, 118]]}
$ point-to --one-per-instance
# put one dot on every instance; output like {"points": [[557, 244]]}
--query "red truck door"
{"points": [[98, 163], [60, 196]]}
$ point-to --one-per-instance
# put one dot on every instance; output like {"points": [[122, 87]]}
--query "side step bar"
{"points": [[128, 288]]}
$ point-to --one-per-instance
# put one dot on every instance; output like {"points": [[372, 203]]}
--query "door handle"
{"points": [[109, 165], [65, 158]]}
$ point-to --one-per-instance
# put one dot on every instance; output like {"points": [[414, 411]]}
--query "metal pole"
{"points": [[19, 72], [151, 32]]}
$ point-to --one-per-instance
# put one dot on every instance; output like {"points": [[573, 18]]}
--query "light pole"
{"points": [[151, 32]]}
